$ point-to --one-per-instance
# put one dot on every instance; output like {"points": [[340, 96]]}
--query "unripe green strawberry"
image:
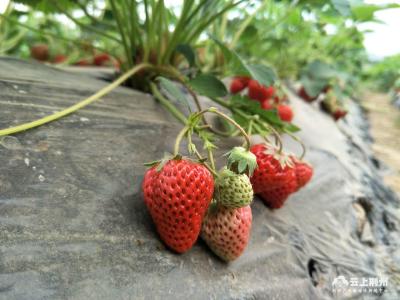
{"points": [[233, 190], [227, 230]]}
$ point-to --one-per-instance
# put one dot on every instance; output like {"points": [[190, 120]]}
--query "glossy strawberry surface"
{"points": [[255, 91], [285, 112], [237, 86], [304, 172], [266, 104], [177, 198], [274, 179]]}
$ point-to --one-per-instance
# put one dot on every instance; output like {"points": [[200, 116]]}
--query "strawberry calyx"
{"points": [[161, 162], [283, 159], [241, 161]]}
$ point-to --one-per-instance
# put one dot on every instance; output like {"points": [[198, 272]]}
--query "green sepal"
{"points": [[283, 159], [241, 161], [161, 162], [203, 160], [152, 163]]}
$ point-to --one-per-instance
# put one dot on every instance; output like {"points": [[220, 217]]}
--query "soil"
{"points": [[385, 130]]}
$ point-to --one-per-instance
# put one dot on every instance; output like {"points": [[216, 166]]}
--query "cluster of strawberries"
{"points": [[329, 103], [185, 200], [41, 52], [267, 96], [278, 175], [100, 60]]}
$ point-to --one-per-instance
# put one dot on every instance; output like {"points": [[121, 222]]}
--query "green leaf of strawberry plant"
{"points": [[262, 74], [235, 62], [254, 108], [313, 86], [188, 53], [152, 163], [208, 85], [365, 13], [173, 90], [291, 127], [320, 70]]}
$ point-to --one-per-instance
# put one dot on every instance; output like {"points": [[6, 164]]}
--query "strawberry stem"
{"points": [[304, 149], [211, 158], [179, 138], [167, 104], [230, 120], [250, 127], [278, 140], [233, 122], [77, 106], [170, 70], [210, 168]]}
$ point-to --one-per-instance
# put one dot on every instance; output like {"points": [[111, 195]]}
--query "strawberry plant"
{"points": [[178, 190], [180, 52], [10, 37]]}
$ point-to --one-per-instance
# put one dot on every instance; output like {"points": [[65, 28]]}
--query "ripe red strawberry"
{"points": [[276, 197], [259, 92], [147, 186], [83, 62], [264, 93], [303, 94], [101, 59], [275, 178], [40, 52], [285, 112], [177, 198], [59, 58], [266, 104], [339, 113], [227, 230], [244, 79], [304, 172], [237, 86], [256, 90], [270, 92]]}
